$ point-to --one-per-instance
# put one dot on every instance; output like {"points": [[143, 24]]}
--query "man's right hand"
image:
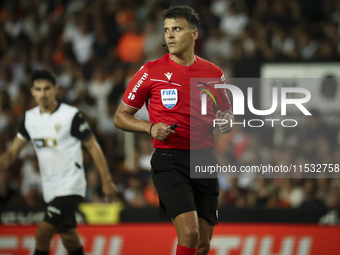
{"points": [[160, 131]]}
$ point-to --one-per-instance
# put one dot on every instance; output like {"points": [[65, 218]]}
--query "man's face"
{"points": [[43, 92], [179, 36]]}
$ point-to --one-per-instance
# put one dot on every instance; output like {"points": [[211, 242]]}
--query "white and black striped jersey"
{"points": [[56, 138]]}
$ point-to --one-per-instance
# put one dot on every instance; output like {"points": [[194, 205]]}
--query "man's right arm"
{"points": [[124, 119], [12, 153], [133, 99]]}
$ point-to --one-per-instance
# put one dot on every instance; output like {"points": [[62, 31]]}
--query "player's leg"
{"points": [[172, 181], [43, 236], [206, 232], [71, 241], [187, 228], [206, 191], [59, 216]]}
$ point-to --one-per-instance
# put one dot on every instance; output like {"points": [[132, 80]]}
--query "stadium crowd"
{"points": [[94, 47]]}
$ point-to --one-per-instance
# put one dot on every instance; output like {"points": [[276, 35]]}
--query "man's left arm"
{"points": [[225, 111], [81, 130], [227, 115], [109, 189]]}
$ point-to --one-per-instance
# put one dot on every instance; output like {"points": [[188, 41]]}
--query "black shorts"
{"points": [[178, 193], [60, 212]]}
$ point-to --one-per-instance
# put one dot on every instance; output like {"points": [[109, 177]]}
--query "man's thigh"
{"points": [[172, 182], [206, 193]]}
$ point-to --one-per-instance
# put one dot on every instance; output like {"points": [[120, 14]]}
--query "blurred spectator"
{"points": [[322, 189], [31, 178], [274, 201], [334, 198], [233, 21], [145, 151], [150, 194], [93, 189], [290, 193], [9, 193], [100, 87], [153, 42], [311, 202], [131, 44], [307, 45], [134, 195], [13, 25], [7, 83], [217, 46], [235, 195]]}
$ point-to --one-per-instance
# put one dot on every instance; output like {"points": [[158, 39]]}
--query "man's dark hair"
{"points": [[42, 75], [183, 12]]}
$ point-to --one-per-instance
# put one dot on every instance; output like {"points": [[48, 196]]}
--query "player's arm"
{"points": [[81, 130], [224, 111], [109, 189], [125, 120], [8, 158], [134, 97]]}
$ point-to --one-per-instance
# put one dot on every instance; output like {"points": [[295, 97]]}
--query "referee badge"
{"points": [[169, 97]]}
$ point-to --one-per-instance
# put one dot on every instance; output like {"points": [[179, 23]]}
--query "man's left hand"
{"points": [[110, 191], [224, 128]]}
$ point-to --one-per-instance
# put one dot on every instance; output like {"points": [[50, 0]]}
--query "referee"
{"points": [[164, 86]]}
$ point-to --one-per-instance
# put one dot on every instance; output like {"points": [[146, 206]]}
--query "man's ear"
{"points": [[56, 89], [195, 34]]}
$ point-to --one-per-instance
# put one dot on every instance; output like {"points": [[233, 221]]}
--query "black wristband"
{"points": [[150, 129]]}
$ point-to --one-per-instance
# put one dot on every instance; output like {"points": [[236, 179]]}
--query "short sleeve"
{"points": [[22, 132], [80, 128], [137, 91]]}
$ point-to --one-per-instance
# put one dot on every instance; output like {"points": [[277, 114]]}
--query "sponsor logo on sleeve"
{"points": [[83, 127], [139, 83], [131, 96], [222, 77]]}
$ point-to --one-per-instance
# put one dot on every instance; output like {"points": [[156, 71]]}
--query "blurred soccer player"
{"points": [[57, 131], [164, 85]]}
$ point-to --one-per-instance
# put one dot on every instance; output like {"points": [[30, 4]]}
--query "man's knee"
{"points": [[190, 234]]}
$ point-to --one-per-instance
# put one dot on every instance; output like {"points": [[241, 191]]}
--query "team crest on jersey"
{"points": [[57, 127], [169, 97]]}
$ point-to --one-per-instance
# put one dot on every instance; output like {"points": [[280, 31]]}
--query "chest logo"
{"points": [[168, 75], [169, 97], [57, 127], [45, 143]]}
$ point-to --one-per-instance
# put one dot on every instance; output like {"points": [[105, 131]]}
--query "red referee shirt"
{"points": [[170, 98]]}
